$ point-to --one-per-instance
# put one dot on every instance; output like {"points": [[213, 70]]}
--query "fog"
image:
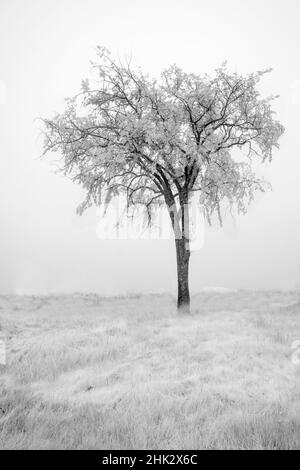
{"points": [[45, 50]]}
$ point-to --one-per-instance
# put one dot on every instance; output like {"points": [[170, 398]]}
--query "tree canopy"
{"points": [[161, 141]]}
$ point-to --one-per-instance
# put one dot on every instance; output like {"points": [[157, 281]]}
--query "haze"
{"points": [[45, 50]]}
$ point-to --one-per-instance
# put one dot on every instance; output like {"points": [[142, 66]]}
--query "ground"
{"points": [[86, 372]]}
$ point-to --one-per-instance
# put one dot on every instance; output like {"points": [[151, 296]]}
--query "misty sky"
{"points": [[45, 51]]}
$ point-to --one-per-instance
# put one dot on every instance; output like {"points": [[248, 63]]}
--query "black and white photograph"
{"points": [[150, 228]]}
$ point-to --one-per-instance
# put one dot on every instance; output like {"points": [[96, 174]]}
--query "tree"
{"points": [[161, 142]]}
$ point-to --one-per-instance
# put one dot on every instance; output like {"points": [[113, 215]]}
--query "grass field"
{"points": [[85, 372]]}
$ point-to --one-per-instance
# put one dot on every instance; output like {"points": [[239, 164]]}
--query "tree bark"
{"points": [[180, 224], [183, 257]]}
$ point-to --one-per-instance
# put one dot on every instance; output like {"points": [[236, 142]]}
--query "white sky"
{"points": [[45, 49]]}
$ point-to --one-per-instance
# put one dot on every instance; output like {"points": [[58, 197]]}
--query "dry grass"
{"points": [[85, 372]]}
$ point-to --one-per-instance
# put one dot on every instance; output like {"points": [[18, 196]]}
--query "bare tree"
{"points": [[161, 142]]}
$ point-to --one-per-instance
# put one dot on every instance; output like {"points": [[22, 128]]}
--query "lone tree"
{"points": [[161, 142]]}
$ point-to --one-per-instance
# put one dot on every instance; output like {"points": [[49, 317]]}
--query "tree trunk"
{"points": [[183, 257]]}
